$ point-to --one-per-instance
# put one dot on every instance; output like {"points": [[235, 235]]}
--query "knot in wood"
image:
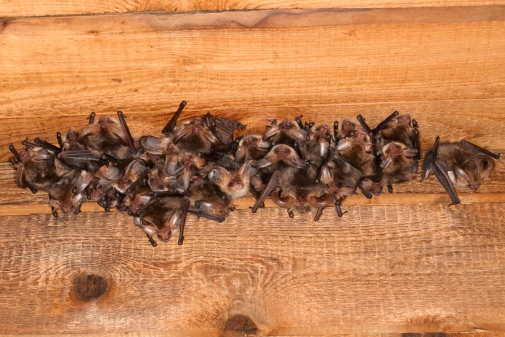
{"points": [[239, 325], [89, 286]]}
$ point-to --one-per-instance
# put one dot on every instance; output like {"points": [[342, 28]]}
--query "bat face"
{"points": [[468, 168], [37, 168], [340, 177], [251, 147], [350, 163], [158, 178], [285, 132], [234, 183], [293, 182], [134, 172], [160, 217], [397, 163], [397, 146], [316, 148], [202, 134], [69, 192], [347, 129], [297, 190], [69, 142], [208, 199], [356, 148], [195, 136]]}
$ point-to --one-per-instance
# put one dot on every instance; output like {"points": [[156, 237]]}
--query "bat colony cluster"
{"points": [[197, 167]]}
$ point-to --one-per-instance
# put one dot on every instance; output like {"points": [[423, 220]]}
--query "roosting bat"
{"points": [[350, 164], [397, 147], [108, 138], [160, 216], [38, 168], [458, 163], [293, 183]]}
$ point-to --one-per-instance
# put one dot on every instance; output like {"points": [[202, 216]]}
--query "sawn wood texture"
{"points": [[403, 264]]}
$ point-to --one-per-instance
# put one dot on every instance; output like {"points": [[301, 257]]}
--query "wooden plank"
{"points": [[327, 65], [110, 61], [18, 8], [379, 269], [404, 264]]}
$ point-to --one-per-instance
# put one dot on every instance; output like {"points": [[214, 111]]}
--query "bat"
{"points": [[292, 183], [38, 168], [397, 149], [108, 138], [461, 164]]}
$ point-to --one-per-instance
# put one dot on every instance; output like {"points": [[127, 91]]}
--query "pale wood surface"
{"points": [[18, 8], [401, 263]]}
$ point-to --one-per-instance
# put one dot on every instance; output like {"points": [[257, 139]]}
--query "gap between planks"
{"points": [[248, 202]]}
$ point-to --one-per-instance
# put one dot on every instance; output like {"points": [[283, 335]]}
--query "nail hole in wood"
{"points": [[89, 286]]}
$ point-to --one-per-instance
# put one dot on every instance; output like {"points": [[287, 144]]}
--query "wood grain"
{"points": [[327, 65], [23, 8], [379, 269], [405, 264]]}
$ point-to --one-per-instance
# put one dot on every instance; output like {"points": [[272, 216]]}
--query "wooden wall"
{"points": [[403, 264]]}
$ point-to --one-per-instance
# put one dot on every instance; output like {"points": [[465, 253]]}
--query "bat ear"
{"points": [[320, 202], [218, 175], [151, 144], [323, 148], [247, 170], [300, 134], [410, 153], [83, 181], [240, 154], [326, 175], [489, 165], [385, 163], [270, 132], [460, 174], [343, 144], [286, 202]]}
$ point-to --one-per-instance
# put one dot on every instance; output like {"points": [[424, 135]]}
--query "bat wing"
{"points": [[81, 159], [416, 144], [479, 149], [432, 163], [272, 182], [169, 128], [223, 128], [195, 211]]}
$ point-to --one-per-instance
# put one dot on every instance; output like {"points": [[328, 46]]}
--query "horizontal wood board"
{"points": [[24, 8], [378, 269], [55, 71], [401, 263]]}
